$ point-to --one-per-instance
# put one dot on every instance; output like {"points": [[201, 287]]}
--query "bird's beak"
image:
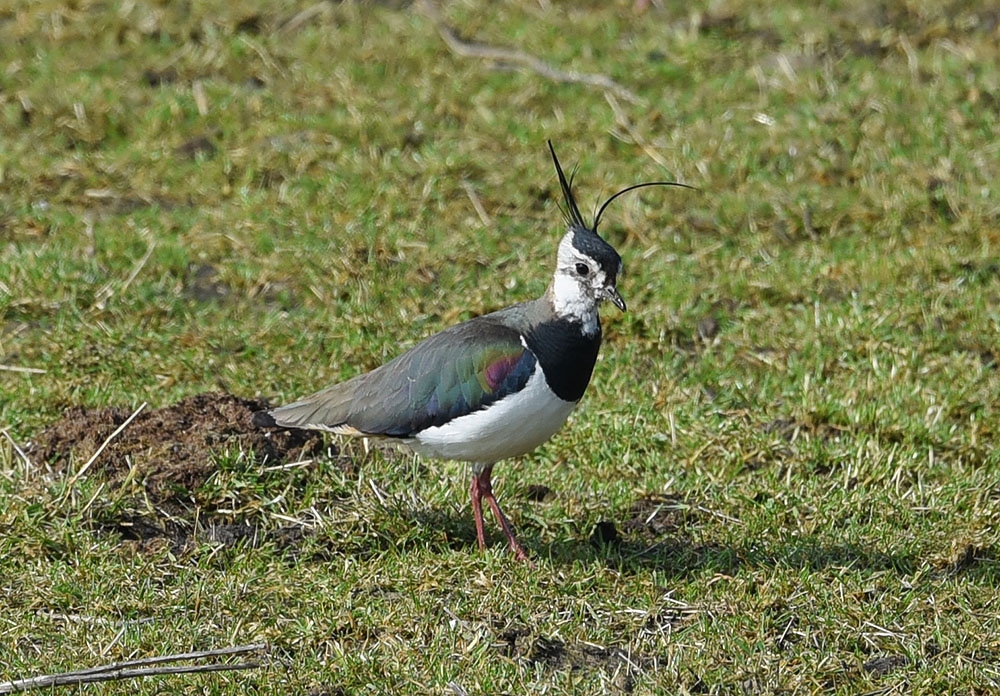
{"points": [[611, 293]]}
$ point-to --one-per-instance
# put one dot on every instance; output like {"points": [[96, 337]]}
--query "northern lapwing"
{"points": [[493, 387]]}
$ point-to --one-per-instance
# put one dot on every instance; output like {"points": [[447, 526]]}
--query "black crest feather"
{"points": [[573, 216], [633, 187]]}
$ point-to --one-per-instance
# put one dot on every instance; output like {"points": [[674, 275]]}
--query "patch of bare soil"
{"points": [[171, 448], [651, 518], [521, 644], [790, 429], [885, 664], [657, 515], [967, 558], [171, 452]]}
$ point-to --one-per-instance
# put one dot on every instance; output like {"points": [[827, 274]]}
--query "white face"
{"points": [[578, 286]]}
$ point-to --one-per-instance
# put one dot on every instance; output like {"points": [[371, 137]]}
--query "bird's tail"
{"points": [[325, 410]]}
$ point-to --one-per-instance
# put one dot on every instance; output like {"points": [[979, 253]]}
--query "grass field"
{"points": [[783, 479]]}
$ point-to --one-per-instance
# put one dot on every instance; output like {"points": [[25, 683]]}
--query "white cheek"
{"points": [[572, 296], [571, 300], [567, 295]]}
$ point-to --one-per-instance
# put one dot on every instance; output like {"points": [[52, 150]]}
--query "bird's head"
{"points": [[587, 267], [587, 270]]}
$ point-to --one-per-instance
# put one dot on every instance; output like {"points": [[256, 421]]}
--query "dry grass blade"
{"points": [[20, 452], [95, 455], [134, 669], [476, 203], [457, 689], [623, 120], [107, 291]]}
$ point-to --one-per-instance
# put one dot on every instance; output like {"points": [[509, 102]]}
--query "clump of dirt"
{"points": [[605, 534], [171, 448], [657, 515], [520, 643], [326, 691], [966, 557], [813, 425], [886, 664], [539, 493]]}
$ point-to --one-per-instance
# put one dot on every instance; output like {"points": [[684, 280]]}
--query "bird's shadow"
{"points": [[673, 552], [678, 555]]}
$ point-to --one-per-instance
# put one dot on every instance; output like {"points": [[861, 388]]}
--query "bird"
{"points": [[493, 387]]}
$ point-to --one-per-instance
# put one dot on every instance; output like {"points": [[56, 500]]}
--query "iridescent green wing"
{"points": [[451, 374]]}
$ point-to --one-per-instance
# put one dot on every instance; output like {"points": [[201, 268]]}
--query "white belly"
{"points": [[508, 428]]}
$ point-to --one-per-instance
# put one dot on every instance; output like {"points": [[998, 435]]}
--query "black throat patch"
{"points": [[566, 354]]}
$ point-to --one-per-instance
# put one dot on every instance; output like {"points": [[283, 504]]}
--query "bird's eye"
{"points": [[582, 268]]}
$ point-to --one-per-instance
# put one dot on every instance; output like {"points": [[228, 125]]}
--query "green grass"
{"points": [[823, 468]]}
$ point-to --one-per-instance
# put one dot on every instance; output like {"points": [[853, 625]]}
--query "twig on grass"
{"points": [[134, 669], [95, 455], [304, 17], [526, 61], [26, 370], [82, 618]]}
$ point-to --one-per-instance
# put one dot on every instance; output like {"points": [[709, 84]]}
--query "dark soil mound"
{"points": [[656, 515], [171, 448]]}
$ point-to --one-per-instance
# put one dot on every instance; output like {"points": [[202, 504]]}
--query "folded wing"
{"points": [[458, 371]]}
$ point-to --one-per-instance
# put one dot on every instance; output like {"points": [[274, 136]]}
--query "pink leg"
{"points": [[477, 512], [483, 488]]}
